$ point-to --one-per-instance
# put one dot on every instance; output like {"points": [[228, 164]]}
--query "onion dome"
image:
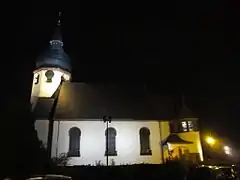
{"points": [[55, 56]]}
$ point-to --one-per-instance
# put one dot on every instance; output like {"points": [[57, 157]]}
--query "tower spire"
{"points": [[184, 111], [55, 56], [59, 18], [57, 36]]}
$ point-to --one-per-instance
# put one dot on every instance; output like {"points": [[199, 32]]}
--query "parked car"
{"points": [[50, 177], [206, 172], [226, 172], [201, 173]]}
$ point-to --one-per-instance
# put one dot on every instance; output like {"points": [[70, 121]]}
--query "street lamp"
{"points": [[210, 140], [107, 119], [227, 150]]}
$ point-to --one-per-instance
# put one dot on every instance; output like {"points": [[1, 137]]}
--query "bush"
{"points": [[61, 160], [169, 171]]}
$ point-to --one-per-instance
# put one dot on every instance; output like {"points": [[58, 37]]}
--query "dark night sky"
{"points": [[191, 50]]}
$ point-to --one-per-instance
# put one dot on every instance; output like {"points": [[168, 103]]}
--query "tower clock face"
{"points": [[49, 75]]}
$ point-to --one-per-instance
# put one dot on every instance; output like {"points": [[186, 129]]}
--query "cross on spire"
{"points": [[57, 36], [59, 18]]}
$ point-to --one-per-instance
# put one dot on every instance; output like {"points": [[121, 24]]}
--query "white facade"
{"points": [[42, 88], [93, 141]]}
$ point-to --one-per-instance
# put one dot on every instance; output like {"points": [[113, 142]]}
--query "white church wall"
{"points": [[42, 88], [92, 142], [41, 127]]}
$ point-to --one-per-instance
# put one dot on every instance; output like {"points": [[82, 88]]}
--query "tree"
{"points": [[23, 152]]}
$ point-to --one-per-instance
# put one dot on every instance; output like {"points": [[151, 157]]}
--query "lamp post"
{"points": [[107, 119], [227, 150], [210, 140]]}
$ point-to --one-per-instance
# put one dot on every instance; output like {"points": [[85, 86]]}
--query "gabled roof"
{"points": [[79, 101], [175, 139]]}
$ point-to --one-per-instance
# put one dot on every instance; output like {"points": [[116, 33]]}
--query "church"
{"points": [[107, 124]]}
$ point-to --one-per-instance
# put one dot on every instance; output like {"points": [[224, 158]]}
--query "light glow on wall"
{"points": [[93, 144], [169, 146], [194, 137], [42, 88]]}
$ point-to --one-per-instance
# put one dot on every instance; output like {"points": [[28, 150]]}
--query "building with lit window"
{"points": [[144, 127]]}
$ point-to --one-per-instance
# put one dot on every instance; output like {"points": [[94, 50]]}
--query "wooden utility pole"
{"points": [[51, 120]]}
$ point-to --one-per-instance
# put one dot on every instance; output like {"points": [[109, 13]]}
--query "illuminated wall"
{"points": [[92, 143], [165, 132], [194, 137], [42, 88], [165, 129]]}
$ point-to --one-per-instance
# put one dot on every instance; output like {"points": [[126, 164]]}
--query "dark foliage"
{"points": [[61, 160], [127, 172], [23, 153]]}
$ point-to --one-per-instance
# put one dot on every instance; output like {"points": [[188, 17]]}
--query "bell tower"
{"points": [[51, 66]]}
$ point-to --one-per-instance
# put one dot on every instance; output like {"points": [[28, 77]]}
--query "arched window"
{"points": [[145, 141], [49, 75], [74, 142], [110, 134]]}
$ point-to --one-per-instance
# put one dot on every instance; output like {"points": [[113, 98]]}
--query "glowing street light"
{"points": [[210, 140], [227, 150]]}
